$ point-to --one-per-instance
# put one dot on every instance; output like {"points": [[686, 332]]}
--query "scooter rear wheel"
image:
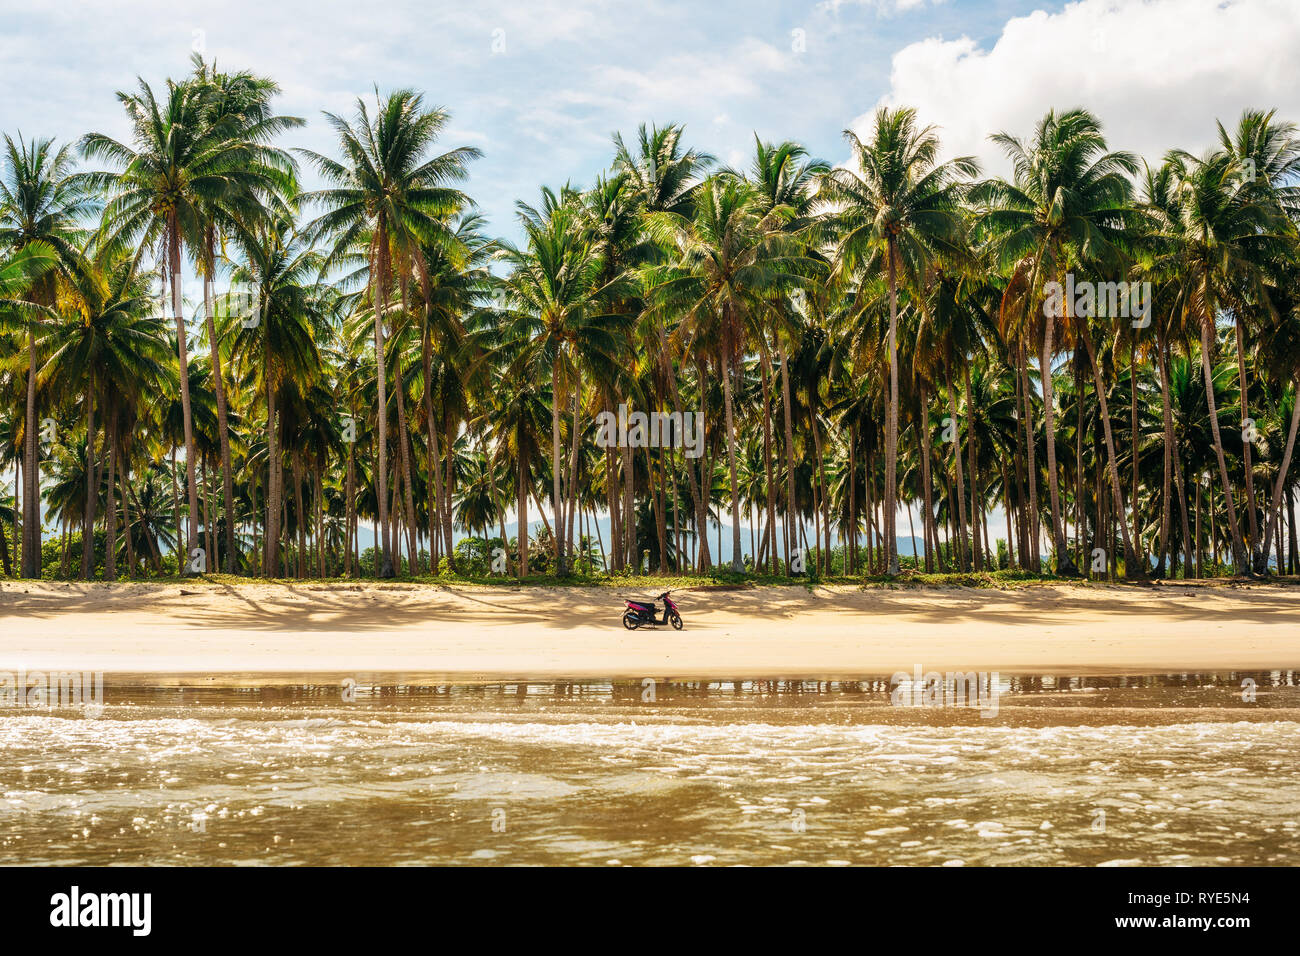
{"points": [[630, 621]]}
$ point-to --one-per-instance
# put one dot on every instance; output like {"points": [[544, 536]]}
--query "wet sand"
{"points": [[267, 633]]}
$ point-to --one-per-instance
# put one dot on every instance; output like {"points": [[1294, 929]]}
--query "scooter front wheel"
{"points": [[630, 621], [675, 620]]}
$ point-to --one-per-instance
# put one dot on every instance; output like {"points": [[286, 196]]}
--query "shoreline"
{"points": [[210, 634]]}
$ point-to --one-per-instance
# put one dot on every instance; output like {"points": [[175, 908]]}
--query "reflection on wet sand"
{"points": [[1160, 769]]}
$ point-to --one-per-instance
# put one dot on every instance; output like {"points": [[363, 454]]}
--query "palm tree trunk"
{"points": [[629, 507], [273, 492], [191, 456], [88, 515], [31, 531], [765, 367], [557, 503], [1252, 521], [976, 516], [891, 437], [1034, 521], [1207, 350], [223, 427], [737, 564], [573, 458], [701, 504], [789, 456], [110, 508], [523, 518], [1275, 508], [962, 562], [1134, 567], [378, 283], [408, 495], [1064, 563], [927, 485]]}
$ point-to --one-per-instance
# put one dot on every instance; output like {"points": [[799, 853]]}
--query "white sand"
{"points": [[295, 632]]}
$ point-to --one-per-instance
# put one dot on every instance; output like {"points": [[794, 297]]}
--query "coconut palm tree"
{"points": [[1066, 204], [109, 348], [41, 200], [177, 167], [238, 109], [726, 265], [557, 302], [1223, 233], [390, 194], [896, 211]]}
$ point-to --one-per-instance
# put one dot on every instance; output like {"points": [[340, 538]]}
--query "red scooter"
{"points": [[642, 613]]}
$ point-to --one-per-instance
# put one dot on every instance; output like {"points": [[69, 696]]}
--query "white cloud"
{"points": [[1157, 72]]}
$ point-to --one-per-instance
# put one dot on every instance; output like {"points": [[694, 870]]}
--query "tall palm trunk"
{"points": [[110, 508], [31, 532], [439, 515], [378, 286], [1207, 350], [1064, 562], [191, 456], [927, 485], [1034, 522], [1252, 522], [557, 503], [737, 563], [789, 457], [88, 515], [1168, 424], [408, 496], [223, 428], [573, 462], [629, 508], [273, 490], [523, 517], [1134, 567], [962, 559], [1275, 506], [701, 505], [976, 501], [768, 469], [891, 436]]}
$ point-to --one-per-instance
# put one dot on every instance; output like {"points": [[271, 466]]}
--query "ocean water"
{"points": [[1154, 770]]}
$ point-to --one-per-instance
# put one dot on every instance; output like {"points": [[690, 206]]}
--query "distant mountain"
{"points": [[907, 546]]}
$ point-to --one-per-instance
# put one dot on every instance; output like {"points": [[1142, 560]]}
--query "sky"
{"points": [[542, 86]]}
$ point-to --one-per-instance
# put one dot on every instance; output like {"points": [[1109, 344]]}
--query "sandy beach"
{"points": [[205, 633]]}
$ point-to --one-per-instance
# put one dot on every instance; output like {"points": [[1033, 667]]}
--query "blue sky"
{"points": [[541, 87]]}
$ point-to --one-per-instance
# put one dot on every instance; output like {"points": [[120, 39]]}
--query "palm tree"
{"points": [[725, 269], [896, 212], [178, 168], [390, 195], [1066, 205], [1223, 232], [556, 301], [110, 349], [237, 109], [280, 350], [41, 200]]}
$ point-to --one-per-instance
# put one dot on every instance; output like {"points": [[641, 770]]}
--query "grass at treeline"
{"points": [[647, 584]]}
